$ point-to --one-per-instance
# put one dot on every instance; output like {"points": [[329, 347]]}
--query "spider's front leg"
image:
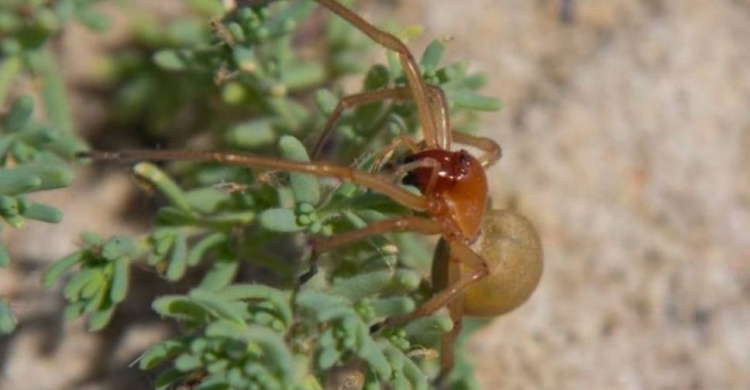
{"points": [[392, 225], [417, 85]]}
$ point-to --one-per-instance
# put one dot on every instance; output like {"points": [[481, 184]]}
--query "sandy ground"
{"points": [[626, 136]]}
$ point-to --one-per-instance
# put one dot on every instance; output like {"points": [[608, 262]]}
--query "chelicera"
{"points": [[507, 264]]}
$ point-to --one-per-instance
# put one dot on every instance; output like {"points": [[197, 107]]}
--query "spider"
{"points": [[492, 281]]}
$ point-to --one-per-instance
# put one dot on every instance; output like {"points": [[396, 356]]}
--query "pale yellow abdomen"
{"points": [[511, 246]]}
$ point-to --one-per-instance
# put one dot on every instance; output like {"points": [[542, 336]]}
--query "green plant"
{"points": [[248, 84], [34, 154]]}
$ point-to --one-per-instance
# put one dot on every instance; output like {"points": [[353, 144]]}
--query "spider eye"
{"points": [[463, 158]]}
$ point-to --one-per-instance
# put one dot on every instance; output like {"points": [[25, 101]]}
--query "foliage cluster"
{"points": [[245, 81]]}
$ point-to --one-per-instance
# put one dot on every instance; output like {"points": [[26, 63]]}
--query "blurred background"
{"points": [[626, 139]]}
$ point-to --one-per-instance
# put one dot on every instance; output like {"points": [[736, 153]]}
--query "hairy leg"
{"points": [[351, 101], [361, 178], [478, 269], [491, 149], [409, 65], [392, 225]]}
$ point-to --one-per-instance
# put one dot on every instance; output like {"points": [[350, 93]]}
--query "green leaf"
{"points": [[395, 357], [72, 291], [278, 299], [43, 213], [74, 310], [227, 329], [186, 362], [53, 176], [243, 55], [304, 185], [18, 115], [283, 22], [472, 101], [276, 355], [13, 183], [432, 55], [118, 247], [475, 81], [100, 318], [94, 287], [120, 280], [414, 375], [164, 183], [252, 134], [10, 65], [178, 259], [222, 272], [34, 177], [10, 209], [94, 20], [57, 107], [173, 216], [233, 93], [208, 199], [231, 311], [213, 383], [172, 59], [326, 101], [367, 284], [378, 77], [328, 358], [95, 294], [7, 320], [317, 301], [166, 379], [207, 243], [160, 353], [91, 239], [59, 267], [331, 313], [435, 324], [236, 378], [163, 239], [305, 75], [181, 308], [4, 257], [280, 220], [373, 354], [392, 306]]}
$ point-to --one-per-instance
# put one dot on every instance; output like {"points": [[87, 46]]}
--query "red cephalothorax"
{"points": [[460, 182]]}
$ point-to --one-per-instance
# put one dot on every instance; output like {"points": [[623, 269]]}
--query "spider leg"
{"points": [[350, 101], [386, 151], [431, 163], [401, 224], [392, 225], [441, 116], [448, 340], [408, 64], [372, 181], [447, 277], [491, 149], [439, 113], [445, 273], [461, 253]]}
